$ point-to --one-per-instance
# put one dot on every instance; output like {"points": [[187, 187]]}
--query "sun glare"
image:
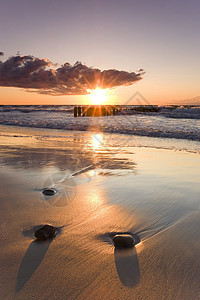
{"points": [[98, 96]]}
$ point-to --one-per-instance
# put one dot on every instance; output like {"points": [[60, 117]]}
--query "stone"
{"points": [[123, 240], [49, 192], [45, 232]]}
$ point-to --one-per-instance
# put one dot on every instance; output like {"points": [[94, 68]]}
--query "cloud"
{"points": [[42, 76], [1, 53]]}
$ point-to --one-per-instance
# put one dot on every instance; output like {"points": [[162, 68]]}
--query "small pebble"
{"points": [[45, 232], [123, 240], [49, 192]]}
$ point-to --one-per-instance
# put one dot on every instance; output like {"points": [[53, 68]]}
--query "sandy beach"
{"points": [[102, 187]]}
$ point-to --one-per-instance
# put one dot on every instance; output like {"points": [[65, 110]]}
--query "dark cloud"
{"points": [[41, 75], [1, 53]]}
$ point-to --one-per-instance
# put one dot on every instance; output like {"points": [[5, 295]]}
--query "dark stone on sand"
{"points": [[49, 192], [45, 232], [123, 240]]}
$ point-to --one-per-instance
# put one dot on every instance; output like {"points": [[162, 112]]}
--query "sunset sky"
{"points": [[161, 37]]}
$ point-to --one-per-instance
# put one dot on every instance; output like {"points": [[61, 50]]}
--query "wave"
{"points": [[36, 108], [169, 111], [182, 112], [151, 126]]}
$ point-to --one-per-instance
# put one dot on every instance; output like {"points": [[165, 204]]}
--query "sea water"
{"points": [[170, 127]]}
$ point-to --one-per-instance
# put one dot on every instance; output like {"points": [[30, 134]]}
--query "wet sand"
{"points": [[151, 193]]}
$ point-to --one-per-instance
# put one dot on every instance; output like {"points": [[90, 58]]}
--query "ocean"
{"points": [[169, 127]]}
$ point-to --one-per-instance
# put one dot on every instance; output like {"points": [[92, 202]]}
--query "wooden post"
{"points": [[75, 111], [83, 111], [95, 111], [79, 111], [89, 111]]}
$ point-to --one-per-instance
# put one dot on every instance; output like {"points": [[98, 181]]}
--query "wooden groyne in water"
{"points": [[111, 110], [94, 111]]}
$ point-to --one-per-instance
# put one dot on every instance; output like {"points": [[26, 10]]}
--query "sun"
{"points": [[98, 96]]}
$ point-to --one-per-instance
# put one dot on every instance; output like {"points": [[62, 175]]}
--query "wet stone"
{"points": [[45, 232], [49, 192], [123, 240]]}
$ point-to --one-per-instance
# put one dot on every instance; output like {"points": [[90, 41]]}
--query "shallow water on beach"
{"points": [[159, 185]]}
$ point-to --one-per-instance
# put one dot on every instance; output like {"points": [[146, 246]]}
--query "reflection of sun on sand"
{"points": [[159, 204]]}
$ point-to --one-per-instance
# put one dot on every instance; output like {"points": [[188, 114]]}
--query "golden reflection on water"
{"points": [[95, 146], [96, 142], [71, 152]]}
